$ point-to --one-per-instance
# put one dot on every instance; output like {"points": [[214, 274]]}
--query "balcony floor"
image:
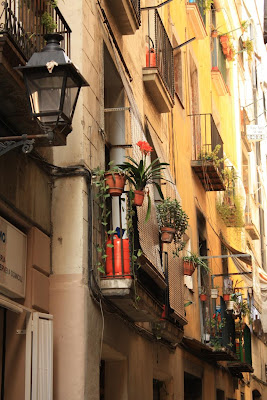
{"points": [[208, 175], [131, 298]]}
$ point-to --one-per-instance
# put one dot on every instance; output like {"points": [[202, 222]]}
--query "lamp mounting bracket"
{"points": [[8, 143]]}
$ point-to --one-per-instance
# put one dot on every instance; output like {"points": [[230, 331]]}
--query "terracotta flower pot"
{"points": [[138, 197], [115, 182], [203, 297], [214, 33], [224, 41], [167, 234], [226, 297], [189, 268]]}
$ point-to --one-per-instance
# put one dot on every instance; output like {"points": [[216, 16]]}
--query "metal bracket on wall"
{"points": [[116, 109], [8, 143]]}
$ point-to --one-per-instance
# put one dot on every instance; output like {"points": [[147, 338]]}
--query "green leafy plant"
{"points": [[102, 195], [47, 19], [196, 261], [211, 156], [231, 212], [216, 324], [139, 174], [248, 46], [170, 214]]}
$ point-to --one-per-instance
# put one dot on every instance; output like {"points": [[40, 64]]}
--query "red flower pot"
{"points": [[226, 297], [167, 234], [224, 41], [118, 258], [203, 297], [115, 182], [189, 268], [138, 197]]}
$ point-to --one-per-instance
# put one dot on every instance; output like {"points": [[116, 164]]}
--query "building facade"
{"points": [[93, 304]]}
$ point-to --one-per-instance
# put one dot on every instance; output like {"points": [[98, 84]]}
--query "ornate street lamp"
{"points": [[53, 85]]}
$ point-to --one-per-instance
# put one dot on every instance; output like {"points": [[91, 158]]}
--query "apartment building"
{"points": [[94, 303]]}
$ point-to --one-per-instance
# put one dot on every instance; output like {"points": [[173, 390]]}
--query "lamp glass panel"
{"points": [[45, 94], [70, 96]]}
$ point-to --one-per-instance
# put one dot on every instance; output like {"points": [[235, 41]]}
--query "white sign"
{"points": [[13, 251], [255, 133]]}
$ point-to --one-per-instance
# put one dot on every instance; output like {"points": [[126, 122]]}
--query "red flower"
{"points": [[145, 148]]}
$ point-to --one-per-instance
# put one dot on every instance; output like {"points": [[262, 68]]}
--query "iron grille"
{"points": [[160, 45], [206, 137], [137, 9], [23, 22]]}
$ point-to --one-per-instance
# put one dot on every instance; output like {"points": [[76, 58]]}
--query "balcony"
{"points": [[158, 75], [218, 70], [207, 161], [127, 14], [21, 34], [196, 12], [252, 218], [136, 287], [243, 351]]}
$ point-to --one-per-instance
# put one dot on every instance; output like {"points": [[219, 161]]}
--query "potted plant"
{"points": [[214, 293], [190, 263], [248, 46], [214, 33], [203, 296], [139, 174], [114, 180], [172, 220]]}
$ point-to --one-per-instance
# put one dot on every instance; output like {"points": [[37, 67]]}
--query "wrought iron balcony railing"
{"points": [[207, 160], [27, 21], [137, 9], [159, 51]]}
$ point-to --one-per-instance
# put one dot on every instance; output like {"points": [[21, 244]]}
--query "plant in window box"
{"points": [[172, 221], [140, 174], [191, 262], [211, 156], [231, 212]]}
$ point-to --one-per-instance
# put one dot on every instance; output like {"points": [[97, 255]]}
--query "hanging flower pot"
{"points": [[224, 39], [230, 305], [214, 293], [206, 337], [189, 268], [214, 33], [203, 297], [115, 181], [226, 297], [167, 234], [138, 197]]}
